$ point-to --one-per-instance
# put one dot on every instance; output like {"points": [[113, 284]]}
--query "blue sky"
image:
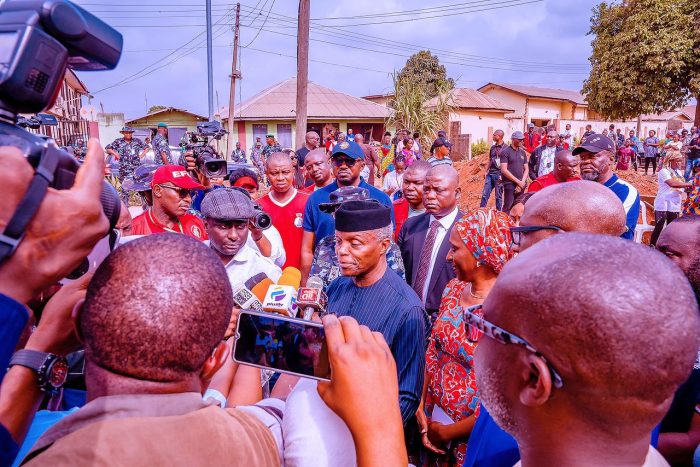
{"points": [[164, 61]]}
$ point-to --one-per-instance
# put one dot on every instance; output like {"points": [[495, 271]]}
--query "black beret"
{"points": [[361, 216]]}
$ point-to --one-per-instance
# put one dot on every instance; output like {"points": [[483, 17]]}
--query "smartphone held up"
{"points": [[282, 344]]}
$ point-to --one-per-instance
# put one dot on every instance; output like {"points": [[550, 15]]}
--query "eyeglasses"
{"points": [[504, 337], [181, 192], [520, 231], [339, 161]]}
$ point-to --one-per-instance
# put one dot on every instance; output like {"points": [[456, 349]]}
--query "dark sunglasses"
{"points": [[181, 192], [520, 231], [339, 161], [504, 337]]}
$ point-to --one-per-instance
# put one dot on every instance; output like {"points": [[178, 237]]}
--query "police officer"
{"points": [[270, 147], [128, 151], [325, 262], [238, 155], [161, 146], [140, 182]]}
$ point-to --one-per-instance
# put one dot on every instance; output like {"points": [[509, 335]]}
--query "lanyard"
{"points": [[150, 216]]}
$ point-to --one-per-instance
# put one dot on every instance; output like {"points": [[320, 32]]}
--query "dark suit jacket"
{"points": [[411, 240]]}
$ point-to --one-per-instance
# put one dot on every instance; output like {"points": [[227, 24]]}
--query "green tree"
{"points": [[424, 68], [156, 108], [645, 57]]}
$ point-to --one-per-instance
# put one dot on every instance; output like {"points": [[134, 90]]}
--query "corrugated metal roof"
{"points": [[466, 98], [547, 93], [279, 102], [665, 116], [167, 109]]}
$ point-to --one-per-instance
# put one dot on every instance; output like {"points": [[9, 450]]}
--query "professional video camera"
{"points": [[207, 160], [38, 40], [261, 219]]}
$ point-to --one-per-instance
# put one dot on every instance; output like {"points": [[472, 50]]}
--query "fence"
{"points": [[66, 132]]}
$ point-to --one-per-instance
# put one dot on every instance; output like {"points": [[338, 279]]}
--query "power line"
{"points": [[263, 25]]}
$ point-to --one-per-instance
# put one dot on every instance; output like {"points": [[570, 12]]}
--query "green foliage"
{"points": [[645, 57], [480, 147], [421, 79], [156, 108], [424, 68]]}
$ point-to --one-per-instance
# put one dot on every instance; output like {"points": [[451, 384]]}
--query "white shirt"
{"points": [[443, 229], [393, 182], [569, 138], [668, 198], [247, 263], [277, 254], [547, 160]]}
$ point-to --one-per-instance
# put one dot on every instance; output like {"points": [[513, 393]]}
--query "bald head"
{"points": [[680, 241], [278, 159], [441, 190], [592, 328], [578, 206], [148, 317], [359, 139], [565, 165]]}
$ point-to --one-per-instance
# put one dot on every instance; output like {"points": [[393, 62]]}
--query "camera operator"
{"points": [[210, 172], [266, 241], [47, 253], [171, 192], [161, 146], [128, 151], [227, 213]]}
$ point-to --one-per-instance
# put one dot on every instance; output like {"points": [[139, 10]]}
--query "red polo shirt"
{"points": [[544, 181], [401, 214], [146, 224], [288, 218]]}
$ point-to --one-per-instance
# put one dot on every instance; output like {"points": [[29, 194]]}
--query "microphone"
{"points": [[282, 297], [245, 298], [312, 298], [260, 290]]}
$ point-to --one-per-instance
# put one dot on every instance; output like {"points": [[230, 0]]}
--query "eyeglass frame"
{"points": [[504, 337], [339, 160], [521, 229], [179, 191]]}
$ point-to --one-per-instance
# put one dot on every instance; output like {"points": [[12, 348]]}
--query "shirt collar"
{"points": [[447, 221]]}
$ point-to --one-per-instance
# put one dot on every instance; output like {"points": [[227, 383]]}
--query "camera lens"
{"points": [[263, 220]]}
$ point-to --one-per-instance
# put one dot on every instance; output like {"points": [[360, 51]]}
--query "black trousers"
{"points": [[661, 218], [647, 161], [508, 196]]}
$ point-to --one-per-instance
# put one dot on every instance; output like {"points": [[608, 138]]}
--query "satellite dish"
{"points": [[88, 112]]}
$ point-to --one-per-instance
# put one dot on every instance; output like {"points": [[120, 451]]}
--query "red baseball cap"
{"points": [[175, 174]]}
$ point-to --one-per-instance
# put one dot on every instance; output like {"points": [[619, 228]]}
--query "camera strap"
{"points": [[28, 206]]}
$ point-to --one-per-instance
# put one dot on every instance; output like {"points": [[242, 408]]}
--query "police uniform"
{"points": [[160, 144], [268, 149], [129, 159], [257, 159], [238, 156]]}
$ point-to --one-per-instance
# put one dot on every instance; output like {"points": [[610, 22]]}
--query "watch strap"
{"points": [[32, 359]]}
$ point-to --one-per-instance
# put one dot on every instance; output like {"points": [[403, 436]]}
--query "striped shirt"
{"points": [[434, 161], [391, 307], [630, 201]]}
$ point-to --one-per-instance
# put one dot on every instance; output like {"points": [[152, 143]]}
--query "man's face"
{"points": [[497, 137], [567, 168], [588, 127], [128, 135], [318, 167], [399, 165], [530, 129], [174, 201], [652, 133], [439, 195], [270, 141], [387, 139], [124, 222], [162, 131], [346, 169], [359, 139], [631, 134], [516, 143], [341, 137], [680, 243], [593, 165], [238, 145], [312, 140], [568, 126], [358, 252], [552, 139], [226, 237], [442, 152], [412, 187], [280, 173]]}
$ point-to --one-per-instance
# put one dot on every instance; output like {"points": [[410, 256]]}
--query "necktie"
{"points": [[424, 262]]}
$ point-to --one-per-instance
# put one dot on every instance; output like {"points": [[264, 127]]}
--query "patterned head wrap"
{"points": [[486, 232]]}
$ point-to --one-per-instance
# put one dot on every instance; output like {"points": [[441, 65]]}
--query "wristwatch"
{"points": [[51, 370]]}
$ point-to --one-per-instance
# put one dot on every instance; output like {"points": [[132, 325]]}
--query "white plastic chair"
{"points": [[644, 226]]}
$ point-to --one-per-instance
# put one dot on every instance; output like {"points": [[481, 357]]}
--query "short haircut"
{"points": [[419, 166], [242, 172], [596, 331], [283, 156], [383, 233], [156, 308]]}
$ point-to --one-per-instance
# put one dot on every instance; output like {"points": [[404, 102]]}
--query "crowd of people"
{"points": [[535, 333]]}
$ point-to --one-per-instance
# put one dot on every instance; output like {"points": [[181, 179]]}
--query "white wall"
{"points": [[110, 125]]}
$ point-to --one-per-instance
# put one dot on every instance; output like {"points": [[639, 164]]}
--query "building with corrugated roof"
{"points": [[273, 110]]}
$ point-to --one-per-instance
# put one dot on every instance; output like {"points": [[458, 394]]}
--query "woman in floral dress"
{"points": [[480, 245]]}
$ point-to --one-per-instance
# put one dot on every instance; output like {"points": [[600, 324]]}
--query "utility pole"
{"points": [[302, 69], [210, 70], [234, 74]]}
